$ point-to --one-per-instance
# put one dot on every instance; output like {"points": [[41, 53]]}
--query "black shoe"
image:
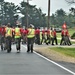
{"points": [[53, 44], [46, 43], [8, 51], [18, 51], [32, 51], [28, 51]]}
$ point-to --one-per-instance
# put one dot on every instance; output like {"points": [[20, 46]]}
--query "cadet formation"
{"points": [[17, 35]]}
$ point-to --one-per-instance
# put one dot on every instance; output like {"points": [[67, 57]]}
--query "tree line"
{"points": [[9, 12]]}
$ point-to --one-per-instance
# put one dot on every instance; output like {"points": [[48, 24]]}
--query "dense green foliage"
{"points": [[60, 17], [35, 16], [9, 13], [73, 36]]}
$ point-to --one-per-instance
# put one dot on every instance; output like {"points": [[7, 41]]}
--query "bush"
{"points": [[73, 36]]}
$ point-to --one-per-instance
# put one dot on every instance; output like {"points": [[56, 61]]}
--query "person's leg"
{"points": [[2, 43], [69, 42], [52, 40], [56, 41], [32, 42], [9, 43], [19, 46], [28, 44]]}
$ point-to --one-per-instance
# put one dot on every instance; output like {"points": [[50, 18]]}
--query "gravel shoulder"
{"points": [[53, 55]]}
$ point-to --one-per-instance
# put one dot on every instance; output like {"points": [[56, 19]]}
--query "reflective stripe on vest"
{"points": [[52, 34], [8, 32], [31, 33], [17, 33]]}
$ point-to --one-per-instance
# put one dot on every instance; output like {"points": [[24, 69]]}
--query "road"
{"points": [[29, 64]]}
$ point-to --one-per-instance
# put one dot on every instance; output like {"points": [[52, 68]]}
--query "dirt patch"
{"points": [[53, 55]]}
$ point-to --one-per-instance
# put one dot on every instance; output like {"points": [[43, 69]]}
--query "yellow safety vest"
{"points": [[17, 33], [8, 32], [52, 34], [31, 33]]}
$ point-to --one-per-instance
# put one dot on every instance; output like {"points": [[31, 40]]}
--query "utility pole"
{"points": [[27, 11], [48, 14]]}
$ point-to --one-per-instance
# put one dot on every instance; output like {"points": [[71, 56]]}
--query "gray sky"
{"points": [[43, 4]]}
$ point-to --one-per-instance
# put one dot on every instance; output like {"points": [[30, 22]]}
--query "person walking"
{"points": [[65, 36], [37, 35], [8, 36], [24, 36], [18, 38], [30, 38], [54, 37], [2, 32], [48, 40], [43, 36], [62, 42]]}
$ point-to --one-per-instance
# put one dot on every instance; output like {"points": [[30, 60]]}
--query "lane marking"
{"points": [[53, 62]]}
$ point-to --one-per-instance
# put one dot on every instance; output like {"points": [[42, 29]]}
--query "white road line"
{"points": [[53, 62]]}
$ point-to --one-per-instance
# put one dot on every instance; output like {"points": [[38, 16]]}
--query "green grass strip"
{"points": [[66, 51]]}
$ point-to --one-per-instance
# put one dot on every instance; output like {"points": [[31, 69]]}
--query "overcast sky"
{"points": [[43, 4]]}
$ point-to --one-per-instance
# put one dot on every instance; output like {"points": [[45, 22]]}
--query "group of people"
{"points": [[49, 36], [29, 36], [10, 34]]}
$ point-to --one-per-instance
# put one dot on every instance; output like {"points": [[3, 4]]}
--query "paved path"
{"points": [[29, 64]]}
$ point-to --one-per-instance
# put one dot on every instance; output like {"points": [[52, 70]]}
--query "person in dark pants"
{"points": [[48, 40], [54, 37], [8, 43], [62, 37], [24, 36], [37, 36], [65, 36], [30, 38], [8, 37], [2, 32], [18, 38], [43, 36]]}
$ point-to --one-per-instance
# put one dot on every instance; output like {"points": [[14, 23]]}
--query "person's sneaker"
{"points": [[53, 44], [18, 51], [46, 43], [31, 51], [27, 51]]}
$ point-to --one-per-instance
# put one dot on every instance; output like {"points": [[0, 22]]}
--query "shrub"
{"points": [[73, 36]]}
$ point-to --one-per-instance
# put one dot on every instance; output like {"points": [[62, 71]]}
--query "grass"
{"points": [[71, 31], [66, 51]]}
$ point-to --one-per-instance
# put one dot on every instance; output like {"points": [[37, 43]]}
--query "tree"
{"points": [[53, 20], [60, 12], [35, 16], [72, 11], [10, 11], [58, 18], [1, 0], [1, 10]]}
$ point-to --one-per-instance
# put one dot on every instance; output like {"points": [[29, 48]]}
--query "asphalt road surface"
{"points": [[24, 63]]}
